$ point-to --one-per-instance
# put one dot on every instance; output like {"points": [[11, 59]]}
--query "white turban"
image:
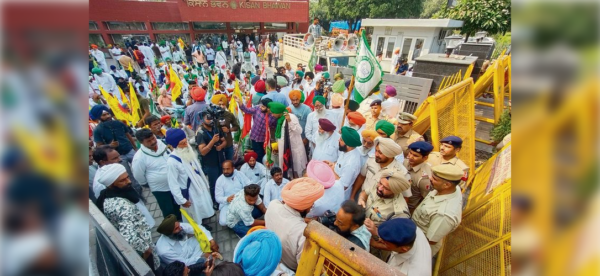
{"points": [[388, 147], [107, 175]]}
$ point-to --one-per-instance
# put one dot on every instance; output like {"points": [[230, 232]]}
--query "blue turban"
{"points": [[174, 136], [97, 110], [399, 231], [258, 253]]}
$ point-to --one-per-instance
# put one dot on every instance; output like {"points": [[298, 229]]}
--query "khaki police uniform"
{"points": [[437, 216], [435, 158], [371, 171], [371, 121], [403, 140], [420, 184]]}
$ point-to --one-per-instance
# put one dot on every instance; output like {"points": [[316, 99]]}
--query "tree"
{"points": [[431, 7], [492, 16], [354, 10]]}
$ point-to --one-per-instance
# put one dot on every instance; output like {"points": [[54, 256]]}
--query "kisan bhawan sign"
{"points": [[241, 4]]}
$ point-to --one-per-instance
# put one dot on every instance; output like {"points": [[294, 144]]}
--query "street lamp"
{"points": [[451, 43]]}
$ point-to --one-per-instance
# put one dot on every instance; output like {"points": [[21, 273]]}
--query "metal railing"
{"points": [[110, 254]]}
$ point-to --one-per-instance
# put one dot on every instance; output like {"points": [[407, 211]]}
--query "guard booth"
{"points": [[327, 253]]}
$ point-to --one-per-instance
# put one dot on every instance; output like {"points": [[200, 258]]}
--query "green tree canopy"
{"points": [[492, 16]]}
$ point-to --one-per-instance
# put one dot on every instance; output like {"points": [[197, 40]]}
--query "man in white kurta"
{"points": [[256, 172], [312, 121], [220, 60], [347, 166], [327, 142], [174, 243], [187, 181], [107, 82], [165, 50], [274, 186], [228, 184], [100, 59], [291, 128]]}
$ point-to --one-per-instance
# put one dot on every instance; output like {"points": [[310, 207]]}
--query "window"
{"points": [[97, 39], [171, 37], [275, 26], [412, 48], [385, 46], [120, 39], [170, 26], [93, 25], [245, 25], [125, 26], [209, 26]]}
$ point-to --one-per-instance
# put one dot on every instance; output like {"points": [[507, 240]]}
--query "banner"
{"points": [[367, 72]]}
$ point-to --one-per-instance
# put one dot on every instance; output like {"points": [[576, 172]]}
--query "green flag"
{"points": [[313, 58], [367, 72]]}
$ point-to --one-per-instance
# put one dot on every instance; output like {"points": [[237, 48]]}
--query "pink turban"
{"points": [[321, 172], [337, 100], [301, 193]]}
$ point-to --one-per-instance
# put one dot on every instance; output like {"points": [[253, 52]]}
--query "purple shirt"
{"points": [[257, 133], [191, 114]]}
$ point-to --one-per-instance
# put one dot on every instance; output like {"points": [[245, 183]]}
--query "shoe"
{"points": [[207, 227]]}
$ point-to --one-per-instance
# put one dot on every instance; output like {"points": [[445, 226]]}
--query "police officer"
{"points": [[419, 172], [405, 134], [411, 253], [440, 212], [449, 148]]}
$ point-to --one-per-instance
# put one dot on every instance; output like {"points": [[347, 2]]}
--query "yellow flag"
{"points": [[175, 84], [135, 105], [114, 105], [200, 236], [124, 99], [130, 68], [216, 87], [233, 108]]}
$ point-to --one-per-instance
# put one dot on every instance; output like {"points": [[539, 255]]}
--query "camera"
{"points": [[327, 219], [216, 113]]}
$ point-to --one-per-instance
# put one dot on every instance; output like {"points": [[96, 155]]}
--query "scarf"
{"points": [[127, 193], [279, 126]]}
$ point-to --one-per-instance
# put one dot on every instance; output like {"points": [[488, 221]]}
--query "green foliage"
{"points": [[353, 10], [502, 128], [492, 16], [431, 7], [503, 41]]}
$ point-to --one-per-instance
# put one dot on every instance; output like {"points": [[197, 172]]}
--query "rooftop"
{"points": [[435, 23]]}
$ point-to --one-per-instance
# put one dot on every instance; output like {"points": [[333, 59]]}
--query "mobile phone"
{"points": [[210, 261]]}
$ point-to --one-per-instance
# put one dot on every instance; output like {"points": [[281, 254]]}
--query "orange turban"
{"points": [[301, 193], [370, 134], [337, 100], [198, 94], [356, 118], [94, 46], [295, 94], [217, 98]]}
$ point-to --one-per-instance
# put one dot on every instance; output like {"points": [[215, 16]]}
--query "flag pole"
{"points": [[350, 88]]}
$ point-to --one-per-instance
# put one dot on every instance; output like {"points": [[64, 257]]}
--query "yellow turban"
{"points": [[370, 134], [274, 146], [217, 98], [301, 193], [337, 100]]}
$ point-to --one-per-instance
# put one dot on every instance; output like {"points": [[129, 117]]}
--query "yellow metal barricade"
{"points": [[327, 253], [451, 112], [481, 243]]}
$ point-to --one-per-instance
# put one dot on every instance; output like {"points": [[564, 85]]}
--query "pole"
{"points": [[350, 88]]}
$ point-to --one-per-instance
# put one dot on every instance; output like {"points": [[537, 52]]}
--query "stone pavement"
{"points": [[225, 237]]}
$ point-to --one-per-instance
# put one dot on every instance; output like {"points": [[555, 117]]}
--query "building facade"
{"points": [[114, 21]]}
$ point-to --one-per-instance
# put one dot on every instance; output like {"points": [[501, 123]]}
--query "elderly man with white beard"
{"points": [[187, 181], [327, 146], [312, 121]]}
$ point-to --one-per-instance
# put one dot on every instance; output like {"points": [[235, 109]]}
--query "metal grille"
{"points": [[330, 269], [485, 263]]}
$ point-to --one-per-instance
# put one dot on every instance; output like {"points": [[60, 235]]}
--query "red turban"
{"points": [[356, 118], [249, 155], [232, 77], [94, 46], [165, 119], [260, 87], [326, 125], [198, 94]]}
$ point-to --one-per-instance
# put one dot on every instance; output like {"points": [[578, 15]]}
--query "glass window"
{"points": [[380, 45], [93, 25], [209, 26], [125, 26], [213, 39], [170, 26], [171, 37], [406, 48], [385, 45], [418, 47], [390, 47], [276, 26], [120, 39], [245, 25], [97, 39]]}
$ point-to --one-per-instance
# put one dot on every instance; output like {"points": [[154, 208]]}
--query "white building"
{"points": [[414, 37]]}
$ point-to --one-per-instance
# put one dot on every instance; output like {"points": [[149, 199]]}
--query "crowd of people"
{"points": [[267, 155]]}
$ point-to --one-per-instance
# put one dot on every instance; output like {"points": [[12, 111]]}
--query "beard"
{"points": [[186, 154], [178, 236], [340, 232], [227, 174], [343, 148], [364, 151], [321, 113], [322, 137]]}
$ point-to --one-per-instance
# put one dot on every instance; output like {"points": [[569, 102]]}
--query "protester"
{"points": [[192, 112], [347, 167], [273, 94], [384, 128], [274, 186], [117, 202], [334, 192], [258, 253], [286, 217], [356, 121], [150, 168], [245, 209], [155, 125], [107, 82], [312, 121], [301, 111], [326, 142], [349, 223], [289, 131], [228, 184], [260, 118], [187, 181], [256, 172], [228, 123], [100, 59], [391, 105]]}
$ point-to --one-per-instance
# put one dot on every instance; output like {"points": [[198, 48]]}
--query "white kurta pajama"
{"points": [[327, 150], [312, 127], [257, 175], [220, 60], [348, 168], [225, 187], [253, 59], [297, 146], [187, 251], [100, 59], [178, 174]]}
